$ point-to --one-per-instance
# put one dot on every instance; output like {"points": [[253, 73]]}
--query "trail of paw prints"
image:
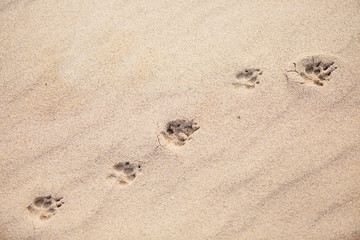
{"points": [[179, 131], [125, 173], [313, 70], [248, 78], [45, 207]]}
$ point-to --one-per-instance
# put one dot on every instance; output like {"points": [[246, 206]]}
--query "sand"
{"points": [[180, 119]]}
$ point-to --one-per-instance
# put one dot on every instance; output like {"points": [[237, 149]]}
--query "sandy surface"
{"points": [[179, 119]]}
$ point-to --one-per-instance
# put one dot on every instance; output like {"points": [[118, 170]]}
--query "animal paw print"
{"points": [[179, 131], [45, 207], [315, 70], [125, 173], [248, 78]]}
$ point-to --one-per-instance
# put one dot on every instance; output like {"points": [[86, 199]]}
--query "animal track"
{"points": [[45, 207], [313, 70], [179, 131], [248, 78], [125, 172]]}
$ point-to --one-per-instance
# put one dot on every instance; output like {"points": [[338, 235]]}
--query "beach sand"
{"points": [[180, 119]]}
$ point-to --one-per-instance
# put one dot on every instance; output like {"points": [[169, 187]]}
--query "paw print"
{"points": [[45, 207], [125, 173], [314, 70], [179, 131], [248, 78], [318, 72]]}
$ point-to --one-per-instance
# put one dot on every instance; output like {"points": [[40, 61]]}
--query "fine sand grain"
{"points": [[180, 119]]}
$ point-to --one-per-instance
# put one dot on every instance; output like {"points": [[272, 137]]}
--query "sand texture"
{"points": [[180, 119]]}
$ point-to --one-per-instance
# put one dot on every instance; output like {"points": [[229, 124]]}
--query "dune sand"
{"points": [[180, 119]]}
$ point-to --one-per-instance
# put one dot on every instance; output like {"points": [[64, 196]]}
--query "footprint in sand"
{"points": [[45, 207], [125, 173], [312, 70], [178, 132], [247, 78]]}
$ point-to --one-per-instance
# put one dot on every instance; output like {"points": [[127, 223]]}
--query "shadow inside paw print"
{"points": [[248, 78], [45, 207], [179, 131], [125, 172]]}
